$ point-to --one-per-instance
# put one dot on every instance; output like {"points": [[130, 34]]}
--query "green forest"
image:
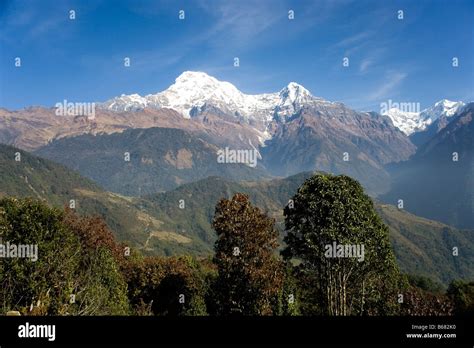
{"points": [[83, 270]]}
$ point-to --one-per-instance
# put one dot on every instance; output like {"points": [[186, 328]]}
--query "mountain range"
{"points": [[412, 123], [438, 181], [196, 96], [193, 92], [292, 130], [160, 159], [173, 137]]}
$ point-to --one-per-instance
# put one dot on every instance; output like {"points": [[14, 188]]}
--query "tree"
{"points": [[462, 295], [291, 294], [173, 286], [45, 283], [249, 274], [418, 301], [99, 286], [75, 271], [329, 221]]}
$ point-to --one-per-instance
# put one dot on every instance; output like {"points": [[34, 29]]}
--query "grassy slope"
{"points": [[55, 184], [425, 247]]}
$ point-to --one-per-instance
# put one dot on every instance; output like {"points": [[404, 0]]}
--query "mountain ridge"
{"points": [[194, 89], [422, 246], [414, 122], [159, 159], [438, 181], [179, 221]]}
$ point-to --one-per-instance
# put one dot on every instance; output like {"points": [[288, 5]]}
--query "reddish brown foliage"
{"points": [[94, 233], [420, 302]]}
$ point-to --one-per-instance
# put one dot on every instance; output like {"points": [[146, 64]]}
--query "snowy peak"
{"points": [[411, 122], [195, 76], [196, 82], [292, 99], [442, 108], [131, 102], [294, 93], [407, 122], [192, 91]]}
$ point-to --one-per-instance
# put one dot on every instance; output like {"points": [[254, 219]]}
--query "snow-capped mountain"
{"points": [[412, 122], [292, 130], [406, 121], [192, 91], [292, 98], [442, 108]]}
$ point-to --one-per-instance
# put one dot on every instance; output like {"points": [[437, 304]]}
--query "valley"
{"points": [[178, 221], [153, 166]]}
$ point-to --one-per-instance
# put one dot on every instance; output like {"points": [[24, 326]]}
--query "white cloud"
{"points": [[354, 39], [364, 65], [391, 82], [239, 23]]}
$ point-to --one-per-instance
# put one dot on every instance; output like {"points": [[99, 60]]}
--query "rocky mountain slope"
{"points": [[339, 140], [292, 130], [438, 181], [143, 161]]}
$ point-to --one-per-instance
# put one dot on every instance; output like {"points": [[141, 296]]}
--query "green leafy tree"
{"points": [[249, 274], [99, 285], [331, 209], [291, 295], [425, 283], [45, 284], [308, 296], [462, 295], [173, 286], [76, 272]]}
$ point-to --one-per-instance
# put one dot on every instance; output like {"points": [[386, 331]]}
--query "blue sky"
{"points": [[407, 60]]}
